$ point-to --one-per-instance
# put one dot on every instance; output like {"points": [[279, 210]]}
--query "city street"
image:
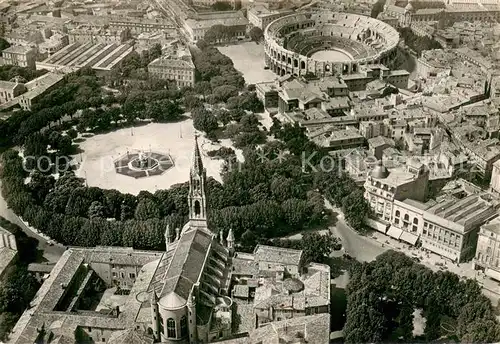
{"points": [[51, 253], [367, 248], [357, 246]]}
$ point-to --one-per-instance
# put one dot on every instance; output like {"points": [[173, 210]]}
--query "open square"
{"points": [[248, 58], [171, 144]]}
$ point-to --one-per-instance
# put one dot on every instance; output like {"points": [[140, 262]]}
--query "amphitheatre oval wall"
{"points": [[291, 41]]}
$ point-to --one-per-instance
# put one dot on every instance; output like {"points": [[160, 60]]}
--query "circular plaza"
{"points": [[149, 157]]}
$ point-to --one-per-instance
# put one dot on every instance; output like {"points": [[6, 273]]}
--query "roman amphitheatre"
{"points": [[328, 43]]}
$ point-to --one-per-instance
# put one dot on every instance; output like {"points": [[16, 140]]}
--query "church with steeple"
{"points": [[194, 287], [184, 294]]}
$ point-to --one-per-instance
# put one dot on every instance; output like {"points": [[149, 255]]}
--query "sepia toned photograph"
{"points": [[249, 171]]}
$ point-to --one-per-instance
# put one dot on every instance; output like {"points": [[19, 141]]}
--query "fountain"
{"points": [[143, 161], [143, 164]]}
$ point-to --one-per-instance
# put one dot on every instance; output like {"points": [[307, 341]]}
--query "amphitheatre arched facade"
{"points": [[291, 41]]}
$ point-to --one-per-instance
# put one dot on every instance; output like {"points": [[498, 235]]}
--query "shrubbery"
{"points": [[382, 296]]}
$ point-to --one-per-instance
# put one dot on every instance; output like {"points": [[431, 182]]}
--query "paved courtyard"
{"points": [[96, 163], [248, 58]]}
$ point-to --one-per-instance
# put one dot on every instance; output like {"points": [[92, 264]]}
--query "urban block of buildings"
{"points": [[262, 14], [326, 105], [25, 95], [487, 256], [175, 64], [447, 226]]}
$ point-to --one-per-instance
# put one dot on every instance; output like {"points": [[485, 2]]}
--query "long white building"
{"points": [[447, 226]]}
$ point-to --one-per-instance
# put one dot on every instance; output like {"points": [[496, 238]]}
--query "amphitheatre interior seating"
{"points": [[307, 33], [307, 45]]}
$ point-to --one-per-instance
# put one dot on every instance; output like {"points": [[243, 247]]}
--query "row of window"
{"points": [[181, 83], [442, 235], [406, 218], [171, 327], [490, 251], [488, 260], [122, 275], [444, 248], [174, 76], [161, 70]]}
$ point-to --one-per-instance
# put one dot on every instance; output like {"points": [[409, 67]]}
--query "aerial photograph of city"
{"points": [[249, 171]]}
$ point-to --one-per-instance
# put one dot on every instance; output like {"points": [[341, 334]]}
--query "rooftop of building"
{"points": [[187, 264], [462, 211], [380, 141], [491, 227], [244, 264], [272, 254], [312, 328], [396, 177], [51, 291], [438, 58], [206, 21], [7, 255], [101, 56], [17, 49], [418, 204], [172, 62], [261, 10], [39, 85]]}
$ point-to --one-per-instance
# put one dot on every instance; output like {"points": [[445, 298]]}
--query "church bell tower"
{"points": [[197, 182]]}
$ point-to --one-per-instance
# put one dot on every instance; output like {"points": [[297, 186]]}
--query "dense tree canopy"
{"points": [[418, 43], [261, 198], [9, 72], [383, 294], [222, 6], [377, 8], [256, 34], [220, 33]]}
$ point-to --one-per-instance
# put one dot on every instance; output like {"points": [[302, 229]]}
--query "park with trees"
{"points": [[263, 199], [382, 296], [418, 43], [277, 190]]}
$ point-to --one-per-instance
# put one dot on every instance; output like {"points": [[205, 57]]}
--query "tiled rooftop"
{"points": [[187, 263], [272, 254], [6, 257]]}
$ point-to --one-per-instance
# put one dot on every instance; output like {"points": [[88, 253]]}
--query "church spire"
{"points": [[168, 236], [197, 166], [230, 241], [197, 181]]}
